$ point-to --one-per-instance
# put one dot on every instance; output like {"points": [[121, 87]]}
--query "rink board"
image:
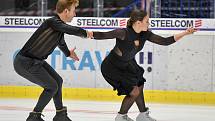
{"points": [[181, 73]]}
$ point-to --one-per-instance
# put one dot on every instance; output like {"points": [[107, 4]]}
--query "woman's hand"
{"points": [[190, 30]]}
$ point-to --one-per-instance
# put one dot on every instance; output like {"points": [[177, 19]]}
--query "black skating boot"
{"points": [[61, 115], [34, 116]]}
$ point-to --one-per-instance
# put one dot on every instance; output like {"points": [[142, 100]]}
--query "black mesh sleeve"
{"points": [[59, 25], [117, 33], [159, 39], [63, 47]]}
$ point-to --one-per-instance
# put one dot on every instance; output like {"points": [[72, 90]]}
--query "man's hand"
{"points": [[90, 34], [73, 54]]}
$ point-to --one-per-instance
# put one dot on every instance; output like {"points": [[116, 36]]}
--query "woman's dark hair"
{"points": [[136, 15]]}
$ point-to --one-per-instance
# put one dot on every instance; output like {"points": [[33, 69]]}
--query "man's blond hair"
{"points": [[65, 4]]}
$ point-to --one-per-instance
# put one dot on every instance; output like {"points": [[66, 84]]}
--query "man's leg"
{"points": [[34, 71], [40, 75], [57, 98], [61, 111]]}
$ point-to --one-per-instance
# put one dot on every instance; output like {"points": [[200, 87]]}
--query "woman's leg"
{"points": [[144, 113], [129, 100], [140, 101]]}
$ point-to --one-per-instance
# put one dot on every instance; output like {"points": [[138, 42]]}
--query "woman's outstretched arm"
{"points": [[169, 40], [117, 33], [186, 32]]}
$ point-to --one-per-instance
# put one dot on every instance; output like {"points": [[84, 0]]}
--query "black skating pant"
{"points": [[42, 74]]}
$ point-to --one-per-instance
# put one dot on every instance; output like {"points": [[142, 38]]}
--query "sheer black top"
{"points": [[128, 42], [48, 36]]}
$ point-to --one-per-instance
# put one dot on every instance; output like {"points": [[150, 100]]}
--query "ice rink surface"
{"points": [[18, 110]]}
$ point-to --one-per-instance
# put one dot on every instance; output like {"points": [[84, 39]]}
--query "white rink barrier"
{"points": [[168, 25], [187, 65]]}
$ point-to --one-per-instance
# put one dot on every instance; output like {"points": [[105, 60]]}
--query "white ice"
{"points": [[18, 110]]}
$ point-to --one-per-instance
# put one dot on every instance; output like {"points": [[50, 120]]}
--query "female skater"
{"points": [[120, 68]]}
